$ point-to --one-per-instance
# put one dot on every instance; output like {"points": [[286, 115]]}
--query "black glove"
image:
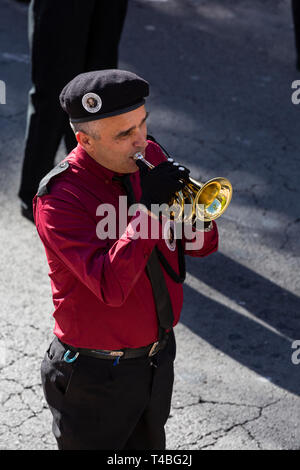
{"points": [[161, 183]]}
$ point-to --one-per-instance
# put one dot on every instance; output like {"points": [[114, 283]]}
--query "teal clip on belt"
{"points": [[71, 359]]}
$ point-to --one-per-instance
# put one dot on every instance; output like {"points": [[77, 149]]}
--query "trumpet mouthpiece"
{"points": [[138, 156]]}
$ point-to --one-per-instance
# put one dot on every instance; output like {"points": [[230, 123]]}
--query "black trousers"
{"points": [[66, 38], [99, 406], [296, 19]]}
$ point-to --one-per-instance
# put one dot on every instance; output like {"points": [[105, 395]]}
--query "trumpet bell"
{"points": [[212, 199], [202, 201]]}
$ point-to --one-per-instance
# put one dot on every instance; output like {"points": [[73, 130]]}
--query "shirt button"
{"points": [[106, 181]]}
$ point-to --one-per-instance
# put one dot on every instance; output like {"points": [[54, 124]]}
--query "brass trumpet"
{"points": [[206, 201]]}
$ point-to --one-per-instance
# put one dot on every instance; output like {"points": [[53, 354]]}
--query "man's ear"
{"points": [[83, 139]]}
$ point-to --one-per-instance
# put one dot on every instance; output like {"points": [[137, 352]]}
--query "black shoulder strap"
{"points": [[42, 190], [179, 278]]}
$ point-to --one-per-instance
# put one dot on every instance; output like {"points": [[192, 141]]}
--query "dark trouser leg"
{"points": [[296, 18], [98, 406], [149, 433], [105, 33], [58, 35], [46, 124]]}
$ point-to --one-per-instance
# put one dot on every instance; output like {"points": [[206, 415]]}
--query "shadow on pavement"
{"points": [[265, 351]]}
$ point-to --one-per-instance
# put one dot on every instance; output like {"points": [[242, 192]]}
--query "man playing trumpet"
{"points": [[108, 373]]}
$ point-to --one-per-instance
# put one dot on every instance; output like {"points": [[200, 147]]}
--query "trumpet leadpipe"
{"points": [[139, 156]]}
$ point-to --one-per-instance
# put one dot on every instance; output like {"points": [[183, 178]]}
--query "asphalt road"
{"points": [[221, 75]]}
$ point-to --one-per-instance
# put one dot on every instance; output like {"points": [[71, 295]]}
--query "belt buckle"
{"points": [[106, 352], [152, 350], [116, 353]]}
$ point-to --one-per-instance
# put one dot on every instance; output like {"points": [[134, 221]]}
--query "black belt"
{"points": [[126, 353]]}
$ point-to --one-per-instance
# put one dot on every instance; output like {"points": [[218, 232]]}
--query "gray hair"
{"points": [[88, 128]]}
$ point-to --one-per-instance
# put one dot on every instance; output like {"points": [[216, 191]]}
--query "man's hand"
{"points": [[161, 183]]}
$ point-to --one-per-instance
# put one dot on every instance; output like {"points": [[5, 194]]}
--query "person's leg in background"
{"points": [[105, 33], [58, 33], [66, 38]]}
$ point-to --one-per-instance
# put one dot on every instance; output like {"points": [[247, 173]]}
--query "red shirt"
{"points": [[101, 293]]}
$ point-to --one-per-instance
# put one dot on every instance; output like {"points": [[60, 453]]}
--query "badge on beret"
{"points": [[91, 102]]}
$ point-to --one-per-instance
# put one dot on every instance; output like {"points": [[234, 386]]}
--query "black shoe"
{"points": [[27, 212]]}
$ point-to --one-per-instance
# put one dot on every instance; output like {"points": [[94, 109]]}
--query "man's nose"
{"points": [[140, 140]]}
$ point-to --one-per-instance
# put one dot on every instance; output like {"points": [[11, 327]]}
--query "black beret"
{"points": [[103, 93]]}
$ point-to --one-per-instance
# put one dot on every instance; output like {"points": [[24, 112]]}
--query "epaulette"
{"points": [[42, 190]]}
